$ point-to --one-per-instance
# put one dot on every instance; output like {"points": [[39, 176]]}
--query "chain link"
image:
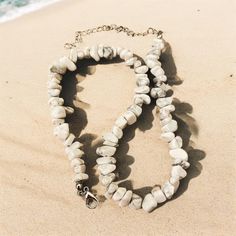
{"points": [[113, 27]]}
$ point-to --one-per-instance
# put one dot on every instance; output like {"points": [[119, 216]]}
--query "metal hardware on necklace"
{"points": [[80, 34], [90, 199]]}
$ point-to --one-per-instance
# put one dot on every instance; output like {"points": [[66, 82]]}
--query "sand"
{"points": [[37, 195]]}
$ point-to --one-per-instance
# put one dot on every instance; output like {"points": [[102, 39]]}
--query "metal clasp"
{"points": [[90, 199]]}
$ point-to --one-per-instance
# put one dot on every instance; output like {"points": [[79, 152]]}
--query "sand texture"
{"points": [[37, 195]]}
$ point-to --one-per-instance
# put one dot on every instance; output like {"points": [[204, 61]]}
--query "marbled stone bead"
{"points": [[106, 168], [106, 151], [158, 195], [126, 199], [149, 203], [136, 202], [118, 195], [130, 117]]}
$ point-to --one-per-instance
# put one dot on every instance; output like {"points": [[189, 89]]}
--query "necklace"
{"points": [[106, 161]]}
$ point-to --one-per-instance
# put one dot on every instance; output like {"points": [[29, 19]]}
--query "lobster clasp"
{"points": [[91, 200]]}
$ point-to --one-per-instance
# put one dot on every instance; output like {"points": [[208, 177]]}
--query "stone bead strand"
{"points": [[107, 162], [59, 111], [168, 127]]}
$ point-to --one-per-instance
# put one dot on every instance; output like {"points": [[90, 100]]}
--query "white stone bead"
{"points": [[159, 43], [175, 182], [75, 153], [131, 61], [122, 52], [154, 51], [172, 126], [146, 99], [57, 122], [80, 169], [73, 54], [55, 80], [177, 161], [152, 63], [106, 151], [158, 195], [87, 52], [110, 137], [158, 40], [55, 101], [58, 112], [109, 143], [185, 164], [94, 53], [179, 154], [75, 145], [105, 180], [178, 172], [136, 202], [114, 52], [62, 131], [108, 195], [142, 89], [158, 92], [166, 120], [54, 92], [100, 50], [76, 161], [165, 87], [162, 102], [176, 143], [137, 110], [153, 57], [168, 136], [162, 78], [107, 52], [149, 203], [58, 68], [130, 117], [118, 195], [69, 110], [117, 131], [138, 101], [80, 177], [65, 61], [126, 54], [53, 85], [141, 69], [137, 63], [142, 82], [55, 77], [157, 70], [126, 199], [118, 50], [141, 76], [80, 55], [169, 108], [121, 122], [168, 190], [164, 114], [110, 190], [69, 140], [106, 160], [157, 82]]}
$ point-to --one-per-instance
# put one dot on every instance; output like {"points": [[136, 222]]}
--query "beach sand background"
{"points": [[37, 195]]}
